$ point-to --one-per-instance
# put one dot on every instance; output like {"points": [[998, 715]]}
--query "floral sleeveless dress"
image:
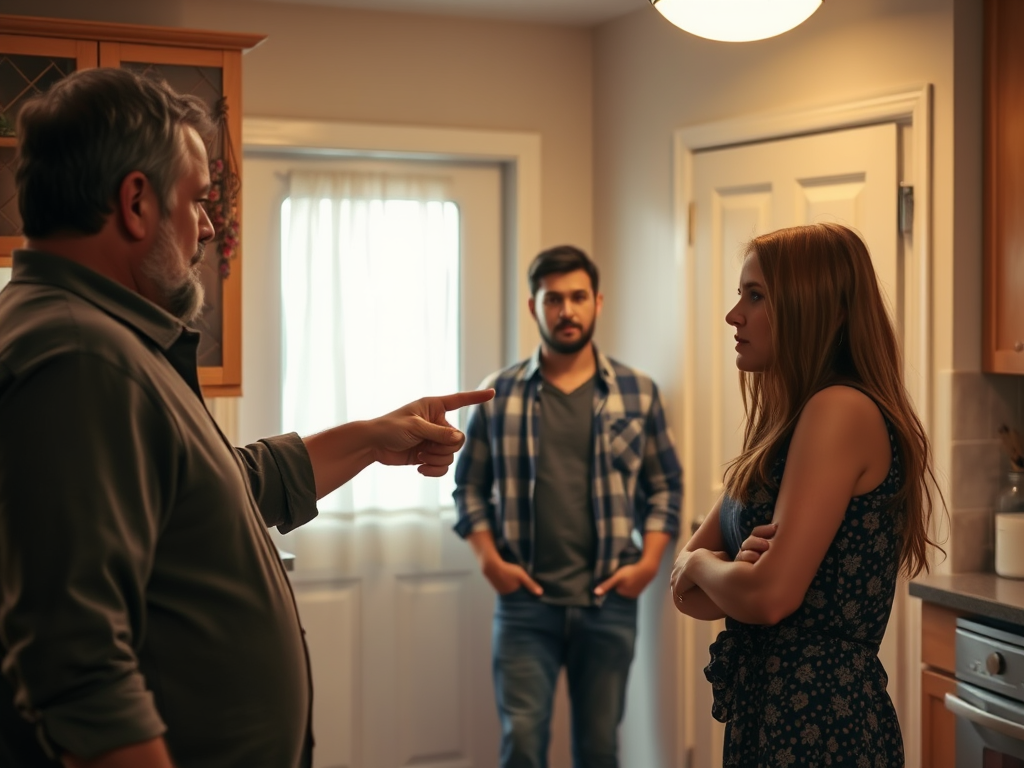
{"points": [[810, 691]]}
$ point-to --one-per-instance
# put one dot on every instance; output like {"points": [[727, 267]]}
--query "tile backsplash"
{"points": [[980, 403]]}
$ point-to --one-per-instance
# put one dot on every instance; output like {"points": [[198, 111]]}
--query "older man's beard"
{"points": [[182, 294]]}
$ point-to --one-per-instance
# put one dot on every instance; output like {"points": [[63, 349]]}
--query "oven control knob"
{"points": [[995, 664]]}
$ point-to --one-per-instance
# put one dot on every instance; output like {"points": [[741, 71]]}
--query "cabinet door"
{"points": [[28, 65], [1003, 344], [938, 724], [210, 74]]}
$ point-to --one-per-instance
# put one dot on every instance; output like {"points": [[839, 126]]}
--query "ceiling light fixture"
{"points": [[736, 20]]}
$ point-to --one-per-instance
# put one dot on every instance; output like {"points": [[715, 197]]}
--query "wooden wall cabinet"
{"points": [[1003, 321], [37, 52]]}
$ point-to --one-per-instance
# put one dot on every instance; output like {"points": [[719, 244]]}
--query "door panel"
{"points": [[848, 177]]}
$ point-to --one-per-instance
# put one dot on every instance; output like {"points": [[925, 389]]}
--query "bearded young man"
{"points": [[146, 620], [571, 456]]}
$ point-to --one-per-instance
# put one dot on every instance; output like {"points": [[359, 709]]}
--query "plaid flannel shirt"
{"points": [[636, 477]]}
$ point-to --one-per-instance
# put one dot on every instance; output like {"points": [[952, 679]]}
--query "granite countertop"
{"points": [[981, 594]]}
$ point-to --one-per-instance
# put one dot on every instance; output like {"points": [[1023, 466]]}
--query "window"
{"points": [[370, 311]]}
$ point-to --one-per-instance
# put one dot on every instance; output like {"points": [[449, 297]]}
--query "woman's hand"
{"points": [[678, 582], [757, 543]]}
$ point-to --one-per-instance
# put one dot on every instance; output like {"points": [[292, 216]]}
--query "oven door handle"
{"points": [[961, 708]]}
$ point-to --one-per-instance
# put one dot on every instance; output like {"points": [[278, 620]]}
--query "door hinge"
{"points": [[691, 216], [906, 209]]}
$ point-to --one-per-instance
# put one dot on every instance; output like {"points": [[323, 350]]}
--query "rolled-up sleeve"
{"points": [[474, 478], [662, 475], [281, 477], [79, 523]]}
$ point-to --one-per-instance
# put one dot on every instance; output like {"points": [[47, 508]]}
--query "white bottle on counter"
{"points": [[1009, 528]]}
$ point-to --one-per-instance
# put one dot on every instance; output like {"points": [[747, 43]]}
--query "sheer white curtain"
{"points": [[370, 293]]}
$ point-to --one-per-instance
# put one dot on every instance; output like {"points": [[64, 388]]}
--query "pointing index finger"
{"points": [[462, 399]]}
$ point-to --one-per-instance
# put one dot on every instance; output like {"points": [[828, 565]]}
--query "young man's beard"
{"points": [[569, 347], [182, 294]]}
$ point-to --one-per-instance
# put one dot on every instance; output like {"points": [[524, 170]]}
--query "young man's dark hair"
{"points": [[560, 260]]}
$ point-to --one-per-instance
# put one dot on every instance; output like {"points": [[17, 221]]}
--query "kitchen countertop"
{"points": [[981, 594], [288, 559]]}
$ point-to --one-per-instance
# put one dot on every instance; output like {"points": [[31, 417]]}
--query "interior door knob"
{"points": [[1018, 346]]}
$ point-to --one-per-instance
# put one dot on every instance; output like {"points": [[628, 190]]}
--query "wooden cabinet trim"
{"points": [[113, 54], [938, 725], [20, 45], [938, 636], [127, 33], [232, 284], [1003, 190], [992, 359]]}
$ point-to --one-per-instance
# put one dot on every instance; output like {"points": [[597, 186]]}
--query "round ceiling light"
{"points": [[736, 20]]}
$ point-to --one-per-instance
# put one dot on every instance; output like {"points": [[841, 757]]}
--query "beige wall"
{"points": [[370, 67], [651, 78]]}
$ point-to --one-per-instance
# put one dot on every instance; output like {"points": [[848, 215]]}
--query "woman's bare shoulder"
{"points": [[844, 408]]}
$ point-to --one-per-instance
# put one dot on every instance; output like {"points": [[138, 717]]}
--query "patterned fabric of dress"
{"points": [[811, 691]]}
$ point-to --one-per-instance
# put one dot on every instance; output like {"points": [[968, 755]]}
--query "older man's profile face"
{"points": [[174, 260]]}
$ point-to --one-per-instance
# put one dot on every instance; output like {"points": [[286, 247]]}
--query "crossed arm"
{"points": [[840, 449]]}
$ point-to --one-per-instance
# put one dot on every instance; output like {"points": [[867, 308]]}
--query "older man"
{"points": [[145, 617]]}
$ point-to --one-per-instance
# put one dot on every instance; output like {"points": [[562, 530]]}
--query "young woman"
{"points": [[827, 503]]}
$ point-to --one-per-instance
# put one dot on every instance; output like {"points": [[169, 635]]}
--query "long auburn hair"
{"points": [[829, 325]]}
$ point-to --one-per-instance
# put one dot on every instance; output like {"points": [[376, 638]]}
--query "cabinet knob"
{"points": [[995, 664], [1018, 346]]}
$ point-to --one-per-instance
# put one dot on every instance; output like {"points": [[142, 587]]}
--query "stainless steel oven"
{"points": [[989, 699]]}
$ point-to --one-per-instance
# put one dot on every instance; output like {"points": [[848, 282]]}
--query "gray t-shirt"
{"points": [[141, 593], [564, 530]]}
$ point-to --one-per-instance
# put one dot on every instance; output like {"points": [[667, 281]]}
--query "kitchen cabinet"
{"points": [[1003, 321], [984, 598], [35, 53], [938, 656]]}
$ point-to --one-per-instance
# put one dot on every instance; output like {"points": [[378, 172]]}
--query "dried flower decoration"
{"points": [[223, 197]]}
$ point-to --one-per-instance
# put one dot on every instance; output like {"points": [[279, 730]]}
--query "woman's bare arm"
{"points": [[686, 597], [840, 449]]}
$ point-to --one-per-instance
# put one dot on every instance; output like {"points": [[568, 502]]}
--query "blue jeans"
{"points": [[532, 642]]}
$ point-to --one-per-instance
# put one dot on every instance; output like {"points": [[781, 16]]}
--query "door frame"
{"points": [[911, 108], [518, 153]]}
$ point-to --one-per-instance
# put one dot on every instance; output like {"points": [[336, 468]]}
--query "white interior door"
{"points": [[396, 613], [848, 177]]}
